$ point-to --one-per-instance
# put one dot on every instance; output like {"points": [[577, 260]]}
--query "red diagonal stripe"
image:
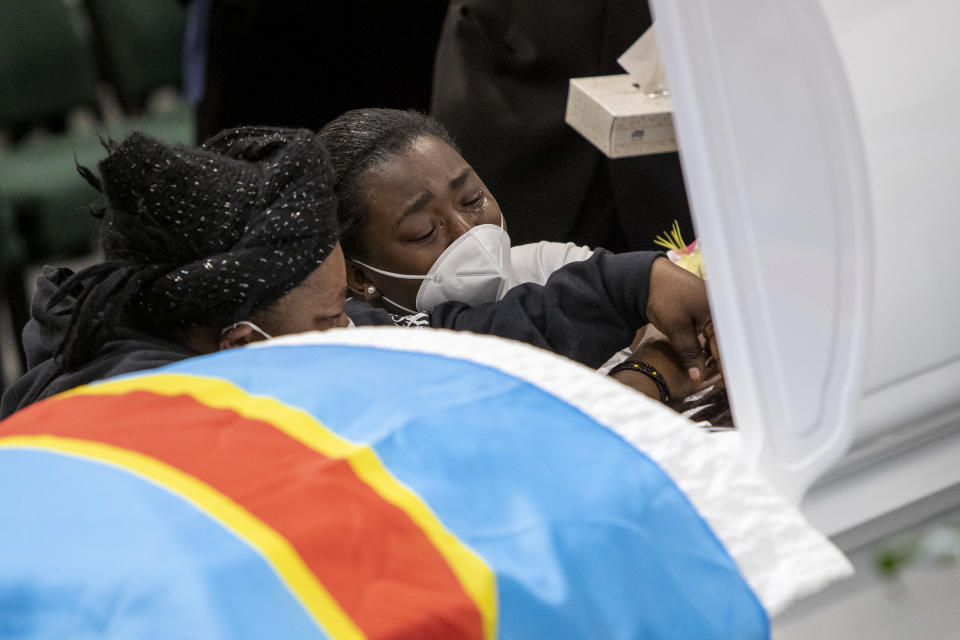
{"points": [[379, 566]]}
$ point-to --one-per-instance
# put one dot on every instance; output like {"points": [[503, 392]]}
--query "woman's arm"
{"points": [[585, 311], [654, 349]]}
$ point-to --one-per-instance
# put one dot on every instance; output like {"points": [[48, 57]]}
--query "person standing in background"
{"points": [[300, 64], [500, 84]]}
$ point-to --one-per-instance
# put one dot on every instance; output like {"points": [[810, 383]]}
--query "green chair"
{"points": [[140, 44], [48, 196], [46, 68], [50, 199], [44, 211]]}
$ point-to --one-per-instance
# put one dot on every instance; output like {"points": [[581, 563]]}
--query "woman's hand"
{"points": [[677, 305], [655, 349]]}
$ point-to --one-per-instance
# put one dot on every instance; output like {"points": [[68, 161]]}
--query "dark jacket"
{"points": [[301, 64], [586, 311], [500, 86], [126, 351]]}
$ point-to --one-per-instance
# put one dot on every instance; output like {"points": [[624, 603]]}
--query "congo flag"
{"points": [[340, 486]]}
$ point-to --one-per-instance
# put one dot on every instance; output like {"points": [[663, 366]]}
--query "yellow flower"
{"points": [[685, 255]]}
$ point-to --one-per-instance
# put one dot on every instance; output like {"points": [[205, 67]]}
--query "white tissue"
{"points": [[644, 64]]}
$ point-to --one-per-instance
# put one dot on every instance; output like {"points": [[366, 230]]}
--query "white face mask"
{"points": [[474, 269], [249, 324]]}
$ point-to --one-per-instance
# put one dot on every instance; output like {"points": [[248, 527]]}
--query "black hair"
{"points": [[360, 140]]}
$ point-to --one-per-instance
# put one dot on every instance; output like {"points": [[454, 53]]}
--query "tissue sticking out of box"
{"points": [[630, 114], [643, 63]]}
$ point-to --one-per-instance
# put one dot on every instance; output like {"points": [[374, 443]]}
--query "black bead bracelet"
{"points": [[648, 370]]}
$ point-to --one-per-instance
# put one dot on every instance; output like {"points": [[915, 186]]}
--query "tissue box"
{"points": [[619, 118]]}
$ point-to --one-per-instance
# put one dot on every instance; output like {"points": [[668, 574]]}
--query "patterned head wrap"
{"points": [[196, 238]]}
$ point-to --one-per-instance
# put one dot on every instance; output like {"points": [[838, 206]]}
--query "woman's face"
{"points": [[418, 203], [316, 304]]}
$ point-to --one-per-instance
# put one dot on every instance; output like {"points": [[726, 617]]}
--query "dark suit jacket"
{"points": [[301, 63], [500, 86]]}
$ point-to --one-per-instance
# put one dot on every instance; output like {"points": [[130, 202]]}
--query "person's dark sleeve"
{"points": [[586, 311]]}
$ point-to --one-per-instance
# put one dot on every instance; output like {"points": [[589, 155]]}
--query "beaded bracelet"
{"points": [[648, 370]]}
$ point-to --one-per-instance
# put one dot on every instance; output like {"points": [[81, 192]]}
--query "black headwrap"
{"points": [[253, 144], [195, 238]]}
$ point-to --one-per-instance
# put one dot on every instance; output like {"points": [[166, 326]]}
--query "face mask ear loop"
{"points": [[408, 310], [390, 273], [249, 324], [394, 275]]}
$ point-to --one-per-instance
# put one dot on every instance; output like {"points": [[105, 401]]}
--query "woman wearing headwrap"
{"points": [[202, 252]]}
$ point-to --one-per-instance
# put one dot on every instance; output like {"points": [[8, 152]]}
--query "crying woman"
{"points": [[423, 227], [420, 229]]}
